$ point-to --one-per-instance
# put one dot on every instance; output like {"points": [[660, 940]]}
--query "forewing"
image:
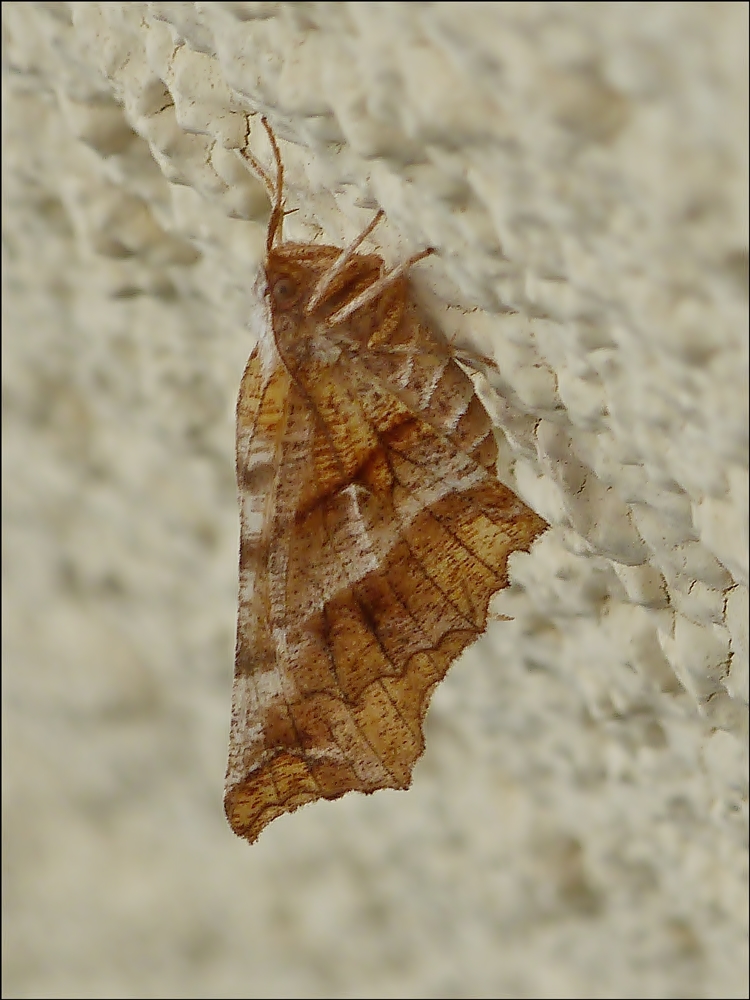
{"points": [[381, 533]]}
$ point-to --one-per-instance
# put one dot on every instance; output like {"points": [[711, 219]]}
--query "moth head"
{"points": [[301, 277]]}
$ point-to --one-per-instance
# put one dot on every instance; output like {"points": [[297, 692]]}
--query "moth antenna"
{"points": [[376, 288], [339, 264], [256, 165], [277, 212]]}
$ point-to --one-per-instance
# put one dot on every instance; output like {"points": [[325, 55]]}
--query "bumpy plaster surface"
{"points": [[577, 826]]}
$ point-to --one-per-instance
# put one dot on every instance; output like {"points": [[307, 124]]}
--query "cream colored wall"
{"points": [[577, 825]]}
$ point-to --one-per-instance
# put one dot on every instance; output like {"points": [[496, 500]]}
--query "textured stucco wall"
{"points": [[577, 826]]}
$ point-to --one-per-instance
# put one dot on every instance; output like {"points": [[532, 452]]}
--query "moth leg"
{"points": [[474, 360], [376, 288], [339, 264], [471, 359]]}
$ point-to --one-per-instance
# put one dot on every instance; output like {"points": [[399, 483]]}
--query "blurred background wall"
{"points": [[577, 825]]}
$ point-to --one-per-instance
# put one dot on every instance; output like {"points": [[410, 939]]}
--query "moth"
{"points": [[374, 530]]}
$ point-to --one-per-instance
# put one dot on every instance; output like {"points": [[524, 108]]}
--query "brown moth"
{"points": [[374, 530]]}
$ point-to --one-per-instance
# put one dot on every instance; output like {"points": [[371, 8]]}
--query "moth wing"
{"points": [[284, 704], [382, 533]]}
